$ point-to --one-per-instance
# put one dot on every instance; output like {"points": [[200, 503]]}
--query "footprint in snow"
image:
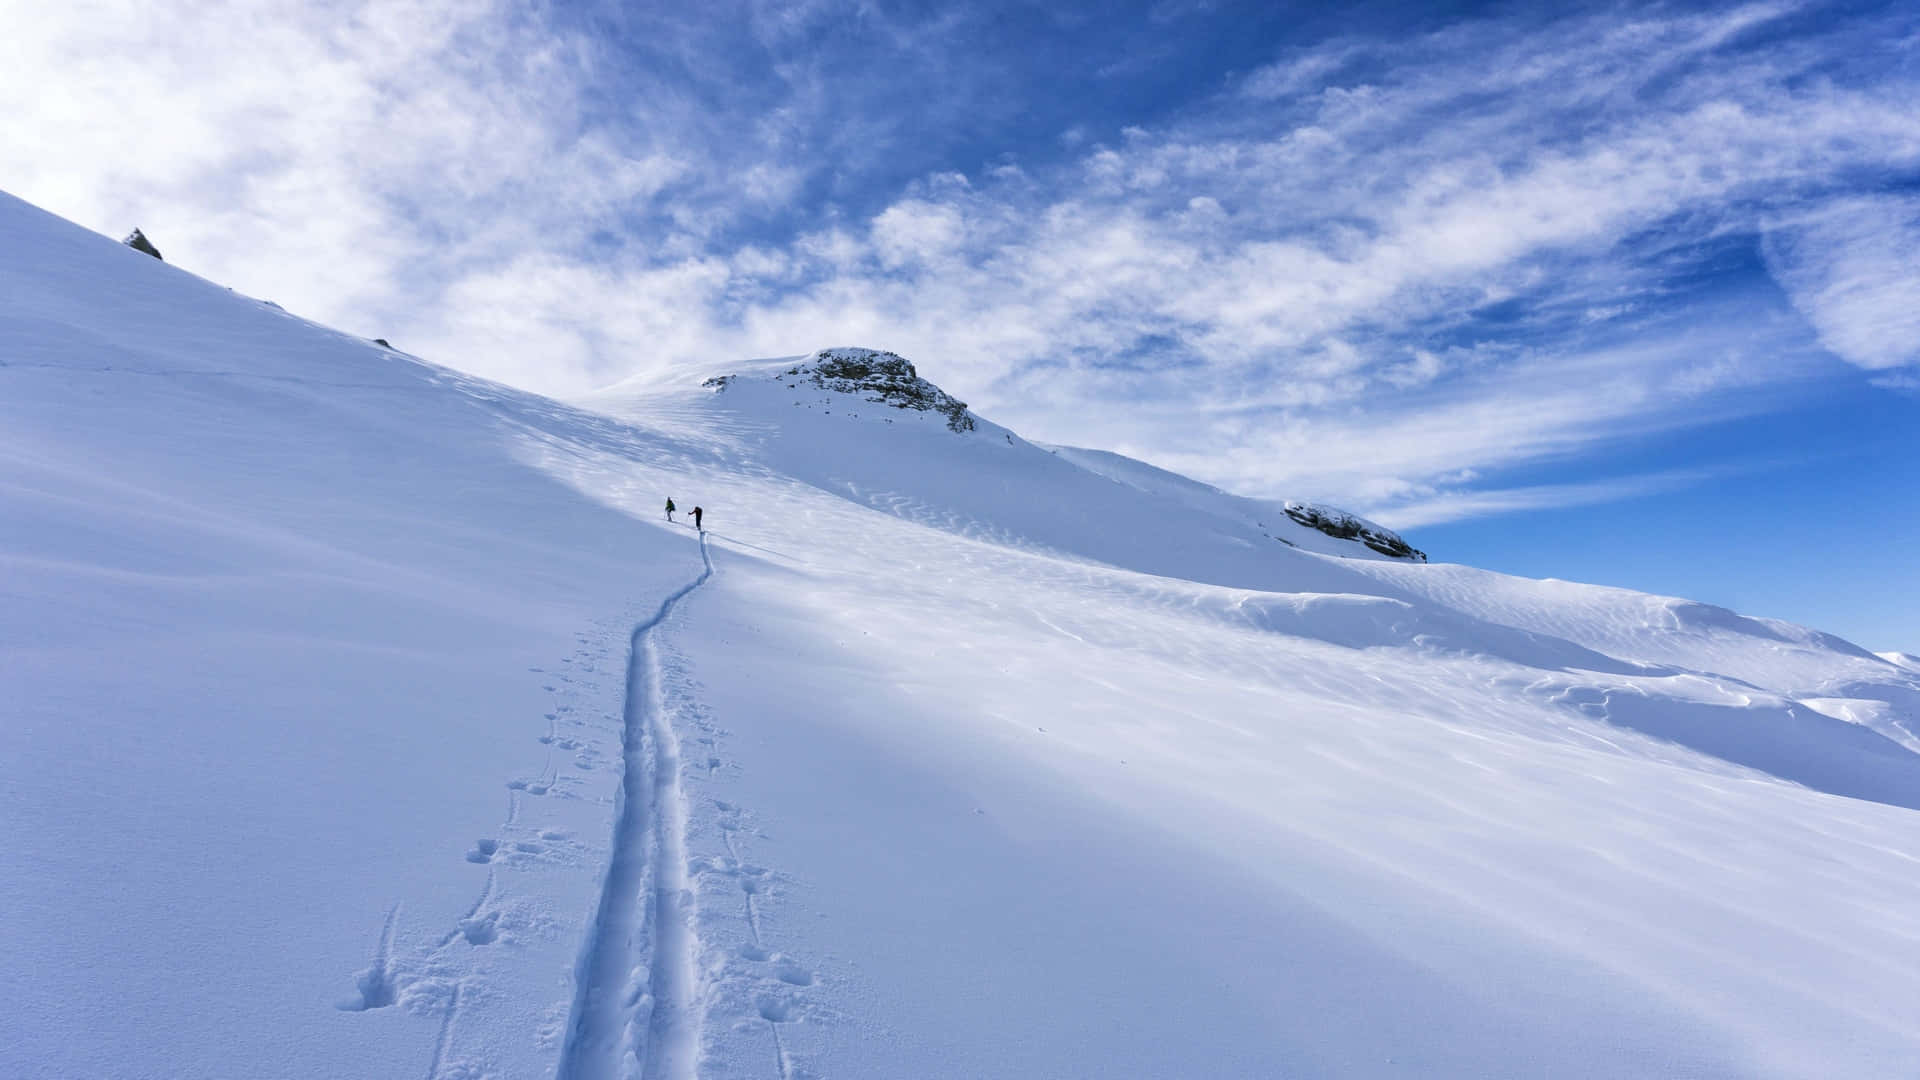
{"points": [[481, 929], [374, 990]]}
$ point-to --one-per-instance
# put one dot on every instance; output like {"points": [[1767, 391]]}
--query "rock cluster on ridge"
{"points": [[884, 378], [1345, 526], [138, 241]]}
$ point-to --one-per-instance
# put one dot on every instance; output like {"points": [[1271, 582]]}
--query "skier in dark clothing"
{"points": [[669, 509], [696, 519]]}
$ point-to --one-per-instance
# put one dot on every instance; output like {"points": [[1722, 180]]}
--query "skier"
{"points": [[696, 519], [669, 508]]}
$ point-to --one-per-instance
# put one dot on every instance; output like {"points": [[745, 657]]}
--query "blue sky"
{"points": [[1622, 294]]}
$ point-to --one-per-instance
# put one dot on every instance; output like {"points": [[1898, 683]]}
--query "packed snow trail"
{"points": [[642, 923]]}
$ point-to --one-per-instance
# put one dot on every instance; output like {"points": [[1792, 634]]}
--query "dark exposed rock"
{"points": [[138, 241], [1344, 526], [382, 342], [886, 378]]}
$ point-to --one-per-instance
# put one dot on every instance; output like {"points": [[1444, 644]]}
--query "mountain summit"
{"points": [[879, 377]]}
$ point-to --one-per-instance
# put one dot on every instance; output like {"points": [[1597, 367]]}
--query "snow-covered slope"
{"points": [[984, 481], [307, 684], [362, 719]]}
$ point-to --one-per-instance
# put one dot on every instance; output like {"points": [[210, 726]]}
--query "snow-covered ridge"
{"points": [[1304, 525], [884, 378], [1002, 469]]}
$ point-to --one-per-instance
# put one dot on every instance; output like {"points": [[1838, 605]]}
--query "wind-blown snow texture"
{"points": [[364, 719]]}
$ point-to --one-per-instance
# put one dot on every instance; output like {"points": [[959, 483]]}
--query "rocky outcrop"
{"points": [[886, 378], [1345, 526], [883, 378], [138, 241]]}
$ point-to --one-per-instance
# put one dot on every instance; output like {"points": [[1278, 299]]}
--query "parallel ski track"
{"points": [[633, 1006]]}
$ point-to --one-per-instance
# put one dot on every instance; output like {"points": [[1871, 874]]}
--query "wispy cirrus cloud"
{"points": [[1444, 506], [1379, 268], [1849, 267]]}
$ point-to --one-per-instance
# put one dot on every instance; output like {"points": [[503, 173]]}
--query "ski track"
{"points": [[643, 923], [375, 985], [444, 1043]]}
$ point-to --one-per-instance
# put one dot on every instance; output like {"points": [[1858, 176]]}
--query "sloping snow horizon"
{"points": [[362, 718]]}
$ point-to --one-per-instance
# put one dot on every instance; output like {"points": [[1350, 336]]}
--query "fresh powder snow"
{"points": [[365, 719]]}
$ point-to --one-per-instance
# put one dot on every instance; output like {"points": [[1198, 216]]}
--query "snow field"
{"points": [[312, 694], [1493, 772], [364, 719]]}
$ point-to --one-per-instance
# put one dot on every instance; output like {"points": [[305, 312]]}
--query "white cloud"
{"points": [[915, 231], [1852, 266], [1306, 69], [329, 156], [1442, 507]]}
